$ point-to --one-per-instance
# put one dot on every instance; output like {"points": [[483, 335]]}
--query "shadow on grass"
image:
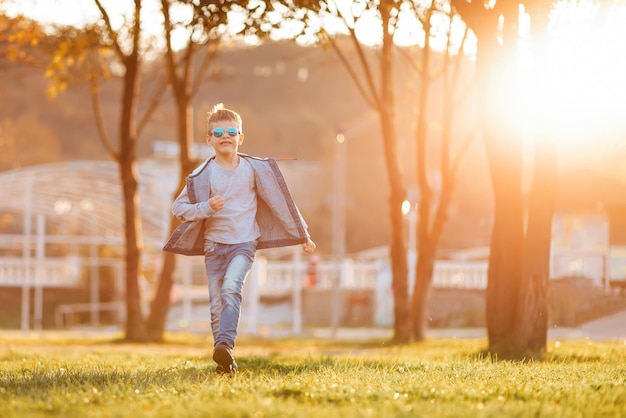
{"points": [[32, 381], [276, 344], [28, 381]]}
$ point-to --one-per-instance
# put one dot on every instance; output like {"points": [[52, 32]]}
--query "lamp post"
{"points": [[339, 212], [340, 164], [339, 197], [409, 210], [339, 225]]}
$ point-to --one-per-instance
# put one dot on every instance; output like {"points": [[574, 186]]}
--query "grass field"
{"points": [[94, 377]]}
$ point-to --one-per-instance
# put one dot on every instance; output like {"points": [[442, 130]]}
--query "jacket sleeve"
{"points": [[184, 210]]}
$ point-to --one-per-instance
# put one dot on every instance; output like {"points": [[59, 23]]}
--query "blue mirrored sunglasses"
{"points": [[219, 132]]}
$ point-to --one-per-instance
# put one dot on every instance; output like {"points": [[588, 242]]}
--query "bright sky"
{"points": [[585, 93], [67, 12]]}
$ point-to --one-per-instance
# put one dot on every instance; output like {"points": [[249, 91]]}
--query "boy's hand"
{"points": [[309, 246], [216, 203]]}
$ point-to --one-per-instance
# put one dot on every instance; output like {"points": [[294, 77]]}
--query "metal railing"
{"points": [[64, 314]]}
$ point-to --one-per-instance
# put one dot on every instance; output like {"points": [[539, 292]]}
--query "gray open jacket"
{"points": [[278, 217]]}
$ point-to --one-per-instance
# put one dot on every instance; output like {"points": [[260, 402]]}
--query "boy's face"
{"points": [[225, 137]]}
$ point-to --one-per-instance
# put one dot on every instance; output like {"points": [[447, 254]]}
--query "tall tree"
{"points": [[102, 48], [519, 257], [184, 80], [374, 78], [594, 20], [127, 51], [531, 331], [205, 26], [374, 75], [74, 46], [435, 195]]}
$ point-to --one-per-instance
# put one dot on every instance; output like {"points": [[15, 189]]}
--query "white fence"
{"points": [[287, 278], [463, 275], [592, 264], [279, 275], [48, 272], [38, 273]]}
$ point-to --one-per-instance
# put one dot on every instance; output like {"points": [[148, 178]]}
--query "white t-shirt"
{"points": [[236, 222]]}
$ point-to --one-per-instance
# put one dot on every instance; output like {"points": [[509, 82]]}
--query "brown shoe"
{"points": [[223, 356]]}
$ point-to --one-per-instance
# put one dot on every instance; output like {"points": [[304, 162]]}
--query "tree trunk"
{"points": [[402, 323], [421, 294], [160, 305], [497, 78], [182, 92], [532, 313], [425, 261], [432, 206], [428, 243], [386, 109], [135, 326], [505, 262], [516, 309]]}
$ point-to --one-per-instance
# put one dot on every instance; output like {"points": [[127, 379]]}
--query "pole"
{"points": [[339, 227], [26, 255], [94, 275], [40, 272], [339, 198]]}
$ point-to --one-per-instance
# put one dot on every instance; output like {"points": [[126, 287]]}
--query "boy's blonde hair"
{"points": [[219, 113]]}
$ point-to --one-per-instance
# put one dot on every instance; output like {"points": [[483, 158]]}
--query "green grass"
{"points": [[91, 377]]}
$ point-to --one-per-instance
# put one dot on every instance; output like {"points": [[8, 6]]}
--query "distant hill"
{"points": [[293, 101]]}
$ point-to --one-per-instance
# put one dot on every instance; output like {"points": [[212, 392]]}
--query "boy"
{"points": [[232, 205]]}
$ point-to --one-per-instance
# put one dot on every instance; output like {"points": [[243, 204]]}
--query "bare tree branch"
{"points": [[204, 66], [112, 33], [369, 79], [372, 102], [99, 116], [413, 63], [154, 102], [463, 148]]}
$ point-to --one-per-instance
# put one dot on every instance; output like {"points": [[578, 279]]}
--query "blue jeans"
{"points": [[227, 266]]}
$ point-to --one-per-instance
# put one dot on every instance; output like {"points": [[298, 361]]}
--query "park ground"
{"points": [[347, 372], [358, 373]]}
